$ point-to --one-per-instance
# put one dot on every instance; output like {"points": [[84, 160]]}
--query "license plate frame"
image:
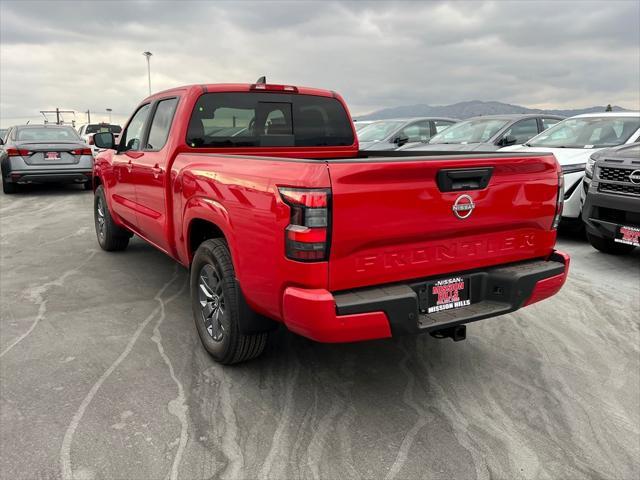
{"points": [[447, 294], [627, 235], [49, 156]]}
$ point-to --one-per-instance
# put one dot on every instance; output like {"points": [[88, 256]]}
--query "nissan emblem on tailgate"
{"points": [[463, 207]]}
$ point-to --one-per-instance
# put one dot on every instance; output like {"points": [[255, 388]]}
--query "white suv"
{"points": [[87, 131], [574, 140]]}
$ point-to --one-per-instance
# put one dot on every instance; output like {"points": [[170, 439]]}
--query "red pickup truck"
{"points": [[260, 190]]}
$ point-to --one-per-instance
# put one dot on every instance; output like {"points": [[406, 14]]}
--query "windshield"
{"points": [[379, 130], [470, 131], [360, 125], [103, 128], [47, 134], [588, 132]]}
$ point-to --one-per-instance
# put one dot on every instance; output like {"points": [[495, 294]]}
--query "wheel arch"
{"points": [[202, 228]]}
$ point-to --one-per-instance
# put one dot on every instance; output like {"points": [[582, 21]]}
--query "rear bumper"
{"points": [[382, 312], [45, 176]]}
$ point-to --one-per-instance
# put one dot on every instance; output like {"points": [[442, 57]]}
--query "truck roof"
{"points": [[247, 87]]}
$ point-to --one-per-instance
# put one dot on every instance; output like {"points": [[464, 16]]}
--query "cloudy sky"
{"points": [[88, 55]]}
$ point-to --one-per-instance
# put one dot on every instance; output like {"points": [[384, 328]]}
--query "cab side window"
{"points": [[523, 130], [548, 122], [441, 125], [133, 134], [417, 132], [161, 124]]}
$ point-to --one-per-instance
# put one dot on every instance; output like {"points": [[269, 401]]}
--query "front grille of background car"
{"points": [[620, 182], [619, 189], [615, 174]]}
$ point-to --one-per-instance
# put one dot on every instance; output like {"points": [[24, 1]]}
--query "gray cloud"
{"points": [[87, 55]]}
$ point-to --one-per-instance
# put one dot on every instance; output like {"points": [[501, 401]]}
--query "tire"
{"points": [[111, 237], [215, 298], [8, 188], [607, 245]]}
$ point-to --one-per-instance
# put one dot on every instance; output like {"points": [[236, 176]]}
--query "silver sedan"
{"points": [[44, 153]]}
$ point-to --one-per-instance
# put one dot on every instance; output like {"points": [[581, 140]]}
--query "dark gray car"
{"points": [[488, 133], [394, 133], [44, 153]]}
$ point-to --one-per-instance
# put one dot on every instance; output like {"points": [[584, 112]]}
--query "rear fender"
{"points": [[202, 208], [209, 210]]}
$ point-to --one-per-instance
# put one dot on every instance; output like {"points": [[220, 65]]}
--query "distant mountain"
{"points": [[472, 108]]}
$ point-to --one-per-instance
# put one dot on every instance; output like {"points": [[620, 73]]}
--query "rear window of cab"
{"points": [[227, 120]]}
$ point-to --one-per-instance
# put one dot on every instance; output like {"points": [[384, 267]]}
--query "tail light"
{"points": [[17, 152], [307, 235], [90, 140], [81, 151], [559, 201]]}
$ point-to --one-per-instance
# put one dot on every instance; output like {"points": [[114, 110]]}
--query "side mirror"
{"points": [[401, 140], [104, 140], [508, 140]]}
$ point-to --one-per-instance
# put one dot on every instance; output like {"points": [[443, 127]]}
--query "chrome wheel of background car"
{"points": [[211, 301], [100, 218]]}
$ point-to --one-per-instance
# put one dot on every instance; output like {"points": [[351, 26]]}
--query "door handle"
{"points": [[129, 166], [457, 179], [157, 170]]}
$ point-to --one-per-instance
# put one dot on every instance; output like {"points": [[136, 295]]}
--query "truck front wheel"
{"points": [[215, 302], [607, 245], [111, 237]]}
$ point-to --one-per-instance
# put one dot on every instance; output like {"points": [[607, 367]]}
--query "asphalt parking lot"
{"points": [[103, 376]]}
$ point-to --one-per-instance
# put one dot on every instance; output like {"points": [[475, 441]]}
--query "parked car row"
{"points": [[395, 133], [572, 141]]}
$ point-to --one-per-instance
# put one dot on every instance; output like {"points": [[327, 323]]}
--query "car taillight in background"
{"points": [[81, 151], [90, 140], [307, 235], [559, 201], [17, 152]]}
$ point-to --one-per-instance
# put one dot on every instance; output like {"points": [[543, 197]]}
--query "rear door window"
{"points": [[161, 124], [268, 119]]}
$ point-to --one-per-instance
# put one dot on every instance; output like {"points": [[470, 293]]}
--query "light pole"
{"points": [[148, 55], [109, 110]]}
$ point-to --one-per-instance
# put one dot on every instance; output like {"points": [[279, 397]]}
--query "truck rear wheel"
{"points": [[111, 237], [607, 245], [215, 298]]}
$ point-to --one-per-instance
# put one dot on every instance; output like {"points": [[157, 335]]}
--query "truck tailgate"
{"points": [[392, 221]]}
